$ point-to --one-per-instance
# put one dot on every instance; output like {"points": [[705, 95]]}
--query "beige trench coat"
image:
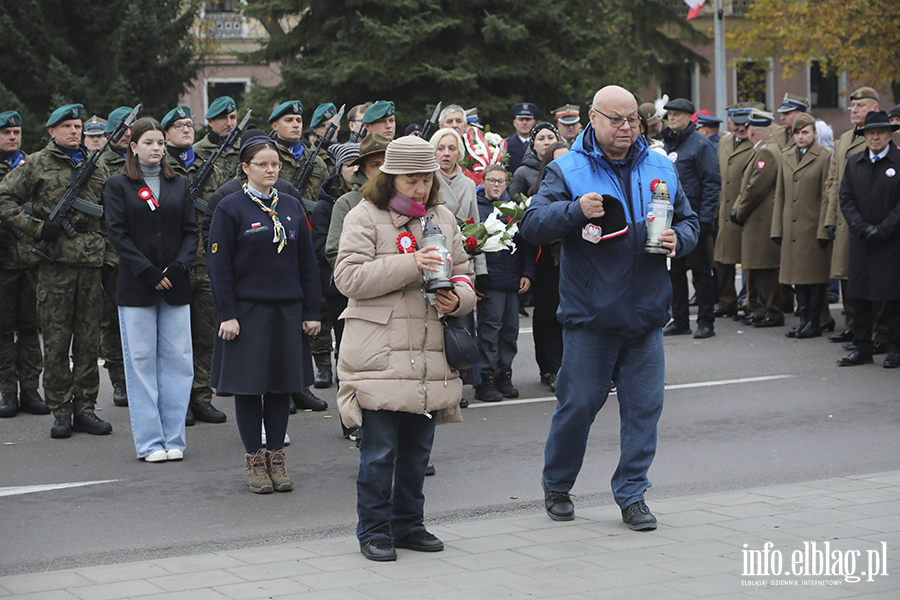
{"points": [[731, 166], [387, 319], [755, 206]]}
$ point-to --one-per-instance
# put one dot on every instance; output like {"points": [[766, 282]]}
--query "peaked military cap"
{"points": [[65, 113], [379, 110], [760, 118], [176, 114], [374, 143], [95, 126], [116, 117], [525, 110], [864, 92], [221, 106], [682, 104], [472, 115], [802, 121], [291, 107], [792, 102], [568, 114], [708, 121], [323, 113], [10, 118], [739, 115]]}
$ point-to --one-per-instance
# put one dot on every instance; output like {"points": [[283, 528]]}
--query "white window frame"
{"points": [[245, 80], [770, 81]]}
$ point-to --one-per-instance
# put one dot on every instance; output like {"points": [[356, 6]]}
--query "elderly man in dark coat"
{"points": [[870, 203]]}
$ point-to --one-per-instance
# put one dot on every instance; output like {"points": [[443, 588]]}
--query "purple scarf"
{"points": [[405, 205]]}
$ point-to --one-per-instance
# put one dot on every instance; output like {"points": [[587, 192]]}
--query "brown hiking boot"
{"points": [[258, 473], [277, 472]]}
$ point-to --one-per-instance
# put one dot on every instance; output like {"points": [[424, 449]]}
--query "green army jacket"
{"points": [[228, 162]]}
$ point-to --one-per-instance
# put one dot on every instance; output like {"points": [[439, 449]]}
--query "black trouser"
{"points": [[863, 319], [548, 345], [697, 261]]}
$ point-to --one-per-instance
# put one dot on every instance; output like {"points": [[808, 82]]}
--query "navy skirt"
{"points": [[271, 353]]}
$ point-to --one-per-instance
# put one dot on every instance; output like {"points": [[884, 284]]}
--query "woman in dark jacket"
{"points": [[543, 135], [151, 224]]}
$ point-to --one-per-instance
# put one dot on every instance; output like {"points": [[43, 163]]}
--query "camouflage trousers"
{"points": [[203, 332], [110, 336], [20, 344], [70, 305], [321, 343]]}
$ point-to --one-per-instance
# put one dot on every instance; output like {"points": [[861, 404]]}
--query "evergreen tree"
{"points": [[99, 53], [485, 53]]}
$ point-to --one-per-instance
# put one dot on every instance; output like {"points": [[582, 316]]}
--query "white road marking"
{"points": [[30, 489], [680, 386]]}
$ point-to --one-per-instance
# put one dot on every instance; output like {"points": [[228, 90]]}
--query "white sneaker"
{"points": [[174, 454], [287, 438], [158, 456]]}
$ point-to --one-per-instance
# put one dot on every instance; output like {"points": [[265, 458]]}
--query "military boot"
{"points": [[277, 473], [323, 370], [487, 392], [258, 473], [31, 402], [9, 405], [62, 426], [203, 410], [120, 393], [504, 384], [306, 400], [88, 422]]}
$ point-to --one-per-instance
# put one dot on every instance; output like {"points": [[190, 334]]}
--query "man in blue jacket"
{"points": [[614, 298]]}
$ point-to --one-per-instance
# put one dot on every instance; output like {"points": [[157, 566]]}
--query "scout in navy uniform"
{"points": [[568, 122], [178, 125], [287, 127], [20, 355], [221, 118], [325, 115], [70, 289], [379, 118], [524, 118], [791, 107]]}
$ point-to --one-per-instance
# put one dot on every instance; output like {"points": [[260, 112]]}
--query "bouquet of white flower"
{"points": [[491, 236]]}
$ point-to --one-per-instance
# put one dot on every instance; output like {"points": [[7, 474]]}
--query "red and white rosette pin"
{"points": [[147, 196], [406, 243]]}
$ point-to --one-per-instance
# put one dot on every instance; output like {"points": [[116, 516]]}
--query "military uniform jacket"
{"points": [[214, 182], [732, 161], [17, 254], [755, 206], [782, 139], [289, 168], [799, 215], [112, 160], [229, 161], [870, 195], [45, 176]]}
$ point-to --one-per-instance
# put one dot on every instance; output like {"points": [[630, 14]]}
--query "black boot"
{"points": [[9, 405], [31, 402], [802, 309], [323, 370], [203, 410], [814, 310], [504, 384], [487, 392], [88, 422], [120, 393], [306, 400], [62, 427]]}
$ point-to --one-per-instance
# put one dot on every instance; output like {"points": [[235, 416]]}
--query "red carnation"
{"points": [[653, 185], [471, 243]]}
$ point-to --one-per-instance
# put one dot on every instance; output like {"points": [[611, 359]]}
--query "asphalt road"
{"points": [[748, 407]]}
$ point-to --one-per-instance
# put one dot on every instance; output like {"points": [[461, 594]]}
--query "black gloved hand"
{"points": [[734, 219], [824, 243], [777, 240], [872, 235], [50, 231], [830, 230], [152, 276], [174, 272], [106, 274]]}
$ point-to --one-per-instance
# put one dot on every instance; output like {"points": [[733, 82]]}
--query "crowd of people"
{"points": [[258, 290]]}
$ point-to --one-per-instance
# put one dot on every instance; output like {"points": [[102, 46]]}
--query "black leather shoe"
{"points": [[558, 505], [9, 405], [323, 378], [704, 332], [463, 403], [379, 550], [673, 329], [206, 412], [844, 336], [769, 322], [62, 427], [31, 402], [721, 313], [810, 330], [891, 361], [638, 516], [849, 347], [829, 326], [420, 541], [793, 332], [429, 470], [90, 423], [879, 348], [120, 393], [855, 358], [189, 419], [739, 315], [306, 400], [750, 318]]}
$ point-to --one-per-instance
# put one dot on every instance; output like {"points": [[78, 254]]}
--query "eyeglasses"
{"points": [[265, 166], [495, 181], [618, 122], [180, 126]]}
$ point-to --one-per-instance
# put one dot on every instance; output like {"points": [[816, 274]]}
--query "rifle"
{"points": [[203, 173], [70, 197], [431, 125], [301, 178]]}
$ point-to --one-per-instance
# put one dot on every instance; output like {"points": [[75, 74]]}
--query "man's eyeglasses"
{"points": [[618, 122], [495, 181], [180, 126], [265, 166]]}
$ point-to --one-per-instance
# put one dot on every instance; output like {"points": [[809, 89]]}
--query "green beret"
{"points": [[323, 113], [10, 118], [291, 107], [380, 110], [221, 106], [176, 114], [116, 117], [65, 113]]}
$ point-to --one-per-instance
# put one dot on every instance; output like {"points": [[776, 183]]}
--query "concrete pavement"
{"points": [[706, 546]]}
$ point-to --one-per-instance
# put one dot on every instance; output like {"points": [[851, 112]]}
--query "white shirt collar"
{"points": [[881, 154]]}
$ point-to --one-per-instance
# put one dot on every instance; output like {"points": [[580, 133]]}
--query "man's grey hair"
{"points": [[453, 108], [824, 134]]}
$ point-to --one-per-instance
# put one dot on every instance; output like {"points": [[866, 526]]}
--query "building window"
{"points": [[224, 19], [752, 81], [824, 86], [235, 88], [677, 81]]}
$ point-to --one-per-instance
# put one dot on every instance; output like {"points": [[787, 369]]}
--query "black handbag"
{"points": [[460, 348]]}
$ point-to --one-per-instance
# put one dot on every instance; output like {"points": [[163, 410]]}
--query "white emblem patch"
{"points": [[673, 156], [890, 172], [760, 164]]}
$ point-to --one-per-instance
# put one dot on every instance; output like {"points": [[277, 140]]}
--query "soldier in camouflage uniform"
{"points": [[287, 123], [325, 115], [70, 292], [179, 129], [113, 160], [20, 344], [222, 118], [379, 118]]}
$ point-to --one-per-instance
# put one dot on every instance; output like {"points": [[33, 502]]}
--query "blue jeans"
{"points": [[591, 360], [498, 329], [159, 371], [393, 456]]}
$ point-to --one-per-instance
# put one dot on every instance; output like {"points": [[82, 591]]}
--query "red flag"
{"points": [[695, 5]]}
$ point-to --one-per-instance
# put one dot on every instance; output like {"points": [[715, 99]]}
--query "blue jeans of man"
{"points": [[159, 371], [393, 456], [591, 360], [498, 329]]}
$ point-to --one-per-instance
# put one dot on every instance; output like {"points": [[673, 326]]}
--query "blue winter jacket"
{"points": [[612, 285], [505, 268]]}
